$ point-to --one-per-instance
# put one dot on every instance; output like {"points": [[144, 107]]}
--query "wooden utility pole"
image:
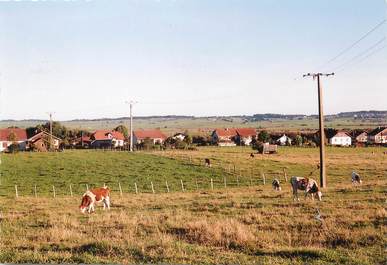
{"points": [[323, 180]]}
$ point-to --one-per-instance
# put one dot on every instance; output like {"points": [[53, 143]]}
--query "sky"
{"points": [[85, 59]]}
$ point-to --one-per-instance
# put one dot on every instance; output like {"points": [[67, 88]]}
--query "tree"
{"points": [[14, 147], [298, 140], [122, 129], [264, 136]]}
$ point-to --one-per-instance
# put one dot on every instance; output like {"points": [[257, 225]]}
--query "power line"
{"points": [[359, 55], [354, 44], [364, 58]]}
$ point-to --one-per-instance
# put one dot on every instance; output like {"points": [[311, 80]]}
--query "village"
{"points": [[17, 139]]}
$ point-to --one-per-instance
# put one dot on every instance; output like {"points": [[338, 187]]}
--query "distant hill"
{"points": [[179, 123]]}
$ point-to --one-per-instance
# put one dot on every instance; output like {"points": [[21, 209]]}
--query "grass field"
{"points": [[242, 225]]}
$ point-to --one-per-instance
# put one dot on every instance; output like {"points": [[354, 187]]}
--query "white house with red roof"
{"points": [[224, 136], [155, 135], [340, 138], [378, 136], [246, 135], [12, 135], [231, 136], [107, 139]]}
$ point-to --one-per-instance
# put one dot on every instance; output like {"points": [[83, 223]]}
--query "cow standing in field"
{"points": [[207, 162], [276, 185], [252, 155], [93, 196], [308, 185], [356, 178]]}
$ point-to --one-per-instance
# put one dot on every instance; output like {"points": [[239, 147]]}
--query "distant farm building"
{"points": [[378, 136], [81, 142], [284, 140], [224, 137], [362, 137], [339, 138], [156, 136], [107, 139], [232, 136], [12, 136], [41, 142], [245, 135]]}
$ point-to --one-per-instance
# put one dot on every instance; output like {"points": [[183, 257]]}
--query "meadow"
{"points": [[242, 224]]}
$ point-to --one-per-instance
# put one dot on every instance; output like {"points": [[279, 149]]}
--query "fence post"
{"points": [[36, 195], [234, 169], [166, 184], [263, 178], [225, 182], [16, 192], [135, 187], [237, 180], [53, 190], [153, 189], [119, 186], [87, 187], [197, 185], [182, 185], [285, 175], [71, 191], [212, 184]]}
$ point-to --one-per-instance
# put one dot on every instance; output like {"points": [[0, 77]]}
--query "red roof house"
{"points": [[10, 135], [224, 136], [156, 135], [107, 139], [229, 136]]}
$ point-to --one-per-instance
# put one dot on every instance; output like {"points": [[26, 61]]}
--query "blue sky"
{"points": [[84, 59]]}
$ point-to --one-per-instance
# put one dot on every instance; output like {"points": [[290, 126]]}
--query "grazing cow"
{"points": [[276, 185], [93, 196], [356, 178], [252, 155], [308, 185], [207, 162]]}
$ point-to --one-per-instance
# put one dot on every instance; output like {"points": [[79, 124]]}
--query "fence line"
{"points": [[191, 185]]}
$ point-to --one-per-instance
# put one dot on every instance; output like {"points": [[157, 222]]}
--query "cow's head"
{"points": [[85, 203]]}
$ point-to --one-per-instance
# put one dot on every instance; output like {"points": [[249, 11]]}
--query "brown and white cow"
{"points": [[93, 196], [308, 185], [207, 162]]}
